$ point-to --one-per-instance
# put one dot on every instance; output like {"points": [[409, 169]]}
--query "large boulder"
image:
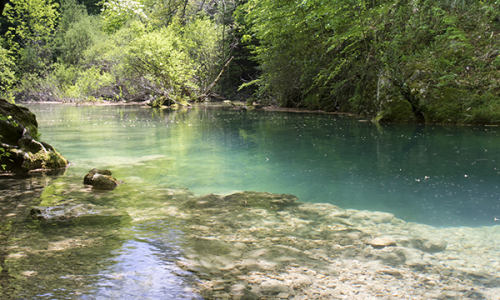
{"points": [[22, 152]]}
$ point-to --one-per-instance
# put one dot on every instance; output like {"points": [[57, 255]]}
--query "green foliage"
{"points": [[32, 25], [71, 12], [364, 56], [161, 60], [135, 50], [200, 37], [118, 12], [162, 13], [94, 7], [7, 76], [89, 84], [3, 152], [33, 21], [80, 36], [37, 88]]}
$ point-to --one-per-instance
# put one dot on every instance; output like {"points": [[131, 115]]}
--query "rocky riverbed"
{"points": [[249, 245], [320, 251]]}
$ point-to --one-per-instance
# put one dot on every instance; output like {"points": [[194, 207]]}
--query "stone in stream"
{"points": [[429, 246], [240, 291], [275, 289], [18, 139], [382, 242], [59, 213], [100, 179], [242, 200], [80, 213]]}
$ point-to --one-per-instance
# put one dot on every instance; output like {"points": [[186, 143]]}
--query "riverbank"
{"points": [[223, 105]]}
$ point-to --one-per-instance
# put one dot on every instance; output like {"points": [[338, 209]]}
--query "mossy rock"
{"points": [[482, 109], [19, 118], [445, 105], [398, 111], [25, 161], [22, 152], [100, 179]]}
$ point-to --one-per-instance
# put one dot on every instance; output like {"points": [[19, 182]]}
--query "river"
{"points": [[432, 175]]}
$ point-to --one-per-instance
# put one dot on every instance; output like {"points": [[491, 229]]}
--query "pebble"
{"points": [[382, 242]]}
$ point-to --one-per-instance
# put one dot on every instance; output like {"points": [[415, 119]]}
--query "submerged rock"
{"points": [[251, 245], [100, 179], [59, 213], [81, 213], [429, 246], [242, 200], [18, 138], [382, 242]]}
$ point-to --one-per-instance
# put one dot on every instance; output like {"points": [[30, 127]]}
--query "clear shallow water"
{"points": [[442, 176], [436, 175]]}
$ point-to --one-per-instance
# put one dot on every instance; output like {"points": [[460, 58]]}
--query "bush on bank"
{"points": [[432, 61]]}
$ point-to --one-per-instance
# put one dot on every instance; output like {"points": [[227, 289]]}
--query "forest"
{"points": [[425, 61]]}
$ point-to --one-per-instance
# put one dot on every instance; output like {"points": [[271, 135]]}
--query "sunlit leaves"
{"points": [[161, 58], [33, 21], [7, 77], [117, 12]]}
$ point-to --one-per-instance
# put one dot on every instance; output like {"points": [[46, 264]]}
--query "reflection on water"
{"points": [[144, 267], [436, 175], [141, 272], [99, 255]]}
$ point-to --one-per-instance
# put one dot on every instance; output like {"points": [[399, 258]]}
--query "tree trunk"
{"points": [[210, 87]]}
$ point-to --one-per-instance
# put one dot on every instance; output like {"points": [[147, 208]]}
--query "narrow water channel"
{"points": [[135, 244]]}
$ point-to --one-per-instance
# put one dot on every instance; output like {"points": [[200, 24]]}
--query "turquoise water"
{"points": [[431, 174], [135, 247]]}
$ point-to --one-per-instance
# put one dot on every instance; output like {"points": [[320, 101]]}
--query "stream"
{"points": [[430, 176]]}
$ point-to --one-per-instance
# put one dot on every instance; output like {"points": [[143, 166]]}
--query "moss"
{"points": [[456, 106], [44, 160], [444, 105], [20, 116], [482, 109], [399, 111]]}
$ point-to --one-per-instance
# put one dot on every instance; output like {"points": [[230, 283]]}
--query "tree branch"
{"points": [[210, 87]]}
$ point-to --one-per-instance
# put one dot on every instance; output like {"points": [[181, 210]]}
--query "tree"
{"points": [[33, 24], [158, 62], [2, 5], [117, 13], [7, 77]]}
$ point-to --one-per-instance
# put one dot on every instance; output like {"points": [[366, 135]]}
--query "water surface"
{"points": [[431, 174], [436, 175]]}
